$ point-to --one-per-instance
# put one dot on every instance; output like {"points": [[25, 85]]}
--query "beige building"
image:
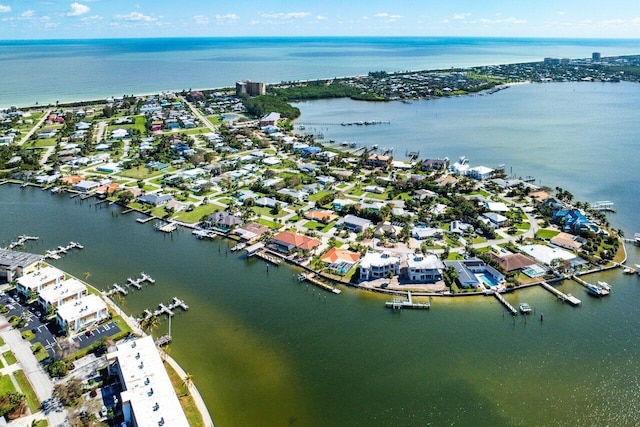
{"points": [[63, 293], [82, 313], [14, 264], [38, 280], [247, 87]]}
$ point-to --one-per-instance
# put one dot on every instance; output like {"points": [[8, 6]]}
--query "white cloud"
{"points": [[635, 20], [135, 17], [513, 20], [381, 15], [321, 18], [78, 9], [5, 9], [229, 18], [460, 15], [93, 18], [28, 14], [561, 13], [201, 20], [285, 16]]}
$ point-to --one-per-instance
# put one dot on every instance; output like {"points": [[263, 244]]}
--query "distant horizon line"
{"points": [[325, 37]]}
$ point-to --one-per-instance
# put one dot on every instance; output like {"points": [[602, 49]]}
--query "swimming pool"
{"points": [[488, 280]]}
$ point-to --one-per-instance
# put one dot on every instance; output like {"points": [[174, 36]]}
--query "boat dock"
{"points": [[267, 257], [561, 296], [144, 220], [311, 278], [238, 247], [137, 283], [21, 241], [602, 292], [55, 253], [206, 234], [604, 205], [163, 340], [116, 288], [166, 227], [400, 303], [504, 302], [168, 309]]}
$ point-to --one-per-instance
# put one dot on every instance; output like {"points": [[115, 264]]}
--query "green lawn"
{"points": [[328, 227], [140, 172], [215, 119], [1, 342], [270, 224], [267, 212], [546, 233], [9, 357], [39, 351], [25, 385], [313, 225], [196, 214], [186, 401], [6, 385], [523, 226], [320, 194]]}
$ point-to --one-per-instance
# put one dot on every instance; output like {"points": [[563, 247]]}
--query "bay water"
{"points": [[265, 349]]}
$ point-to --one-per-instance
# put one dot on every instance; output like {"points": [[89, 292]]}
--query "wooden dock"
{"points": [[561, 296], [168, 309], [166, 227], [144, 220], [55, 253], [267, 257], [504, 302], [137, 283], [163, 340], [116, 288], [603, 292], [22, 239], [311, 278], [400, 303]]}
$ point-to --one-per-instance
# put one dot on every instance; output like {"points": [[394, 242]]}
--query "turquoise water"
{"points": [[265, 349], [46, 71]]}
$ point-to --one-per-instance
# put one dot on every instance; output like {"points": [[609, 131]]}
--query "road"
{"points": [[199, 115]]}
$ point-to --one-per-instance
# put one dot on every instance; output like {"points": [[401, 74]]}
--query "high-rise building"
{"points": [[595, 56], [247, 87]]}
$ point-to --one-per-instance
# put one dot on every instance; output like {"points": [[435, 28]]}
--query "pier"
{"points": [[166, 227], [163, 340], [144, 220], [561, 296], [400, 303], [116, 288], [587, 285], [168, 309], [238, 247], [267, 257], [504, 302], [604, 205], [311, 278], [137, 283], [55, 253], [21, 241]]}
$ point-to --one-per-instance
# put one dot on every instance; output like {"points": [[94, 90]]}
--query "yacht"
{"points": [[594, 290], [604, 285], [525, 308]]}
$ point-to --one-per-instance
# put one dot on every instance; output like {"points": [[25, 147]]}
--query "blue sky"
{"points": [[50, 19]]}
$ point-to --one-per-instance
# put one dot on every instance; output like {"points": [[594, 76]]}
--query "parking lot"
{"points": [[45, 332]]}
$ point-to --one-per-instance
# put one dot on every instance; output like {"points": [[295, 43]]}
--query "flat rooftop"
{"points": [[63, 290], [13, 259], [81, 308], [39, 277]]}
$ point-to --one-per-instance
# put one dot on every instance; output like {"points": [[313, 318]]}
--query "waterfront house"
{"points": [[62, 293], [85, 186], [378, 161], [251, 231], [424, 268], [80, 314], [288, 242], [479, 172], [568, 241], [509, 261], [14, 264], [572, 220], [434, 164], [155, 199], [376, 265], [223, 220], [355, 223], [340, 260], [38, 280], [475, 273], [147, 396]]}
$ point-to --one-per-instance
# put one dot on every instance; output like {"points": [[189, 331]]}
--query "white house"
{"points": [[424, 268], [375, 265], [62, 293], [38, 280], [479, 172]]}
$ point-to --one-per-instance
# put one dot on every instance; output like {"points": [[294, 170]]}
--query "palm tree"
{"points": [[149, 324]]}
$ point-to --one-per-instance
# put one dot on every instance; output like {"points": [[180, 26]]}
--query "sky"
{"points": [[86, 19]]}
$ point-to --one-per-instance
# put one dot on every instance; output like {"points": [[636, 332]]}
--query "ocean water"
{"points": [[46, 71]]}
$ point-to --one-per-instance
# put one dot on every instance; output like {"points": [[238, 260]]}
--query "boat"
{"points": [[302, 277], [604, 285], [55, 190], [375, 146], [525, 308], [628, 270], [594, 290]]}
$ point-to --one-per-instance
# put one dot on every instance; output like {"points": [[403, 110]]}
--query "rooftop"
{"points": [[13, 259]]}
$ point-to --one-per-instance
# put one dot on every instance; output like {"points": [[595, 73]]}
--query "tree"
{"points": [[150, 323], [68, 393], [125, 197], [13, 405]]}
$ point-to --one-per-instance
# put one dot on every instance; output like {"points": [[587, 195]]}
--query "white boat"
{"points": [[55, 190], [628, 270], [525, 308], [594, 290], [604, 285]]}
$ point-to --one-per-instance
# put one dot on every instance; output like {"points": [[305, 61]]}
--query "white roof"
{"points": [[83, 307], [147, 385], [425, 262], [546, 254], [39, 277], [56, 293], [497, 207], [376, 259]]}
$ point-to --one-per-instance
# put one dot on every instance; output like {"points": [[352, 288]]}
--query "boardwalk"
{"points": [[504, 302], [570, 299]]}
